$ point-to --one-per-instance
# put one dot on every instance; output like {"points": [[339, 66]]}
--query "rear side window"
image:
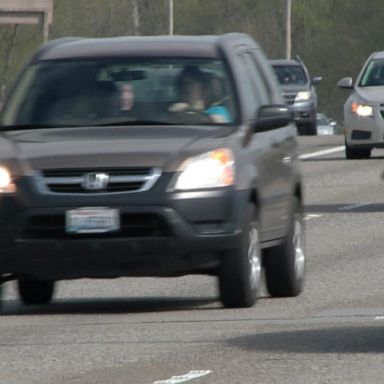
{"points": [[257, 79], [253, 84], [252, 99]]}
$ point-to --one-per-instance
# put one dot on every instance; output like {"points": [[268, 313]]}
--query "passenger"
{"points": [[194, 93]]}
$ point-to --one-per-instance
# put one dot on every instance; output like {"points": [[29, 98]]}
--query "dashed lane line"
{"points": [[191, 375], [321, 153], [351, 207], [311, 216]]}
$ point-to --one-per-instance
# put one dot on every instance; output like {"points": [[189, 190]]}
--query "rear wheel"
{"points": [[240, 272], [285, 264], [357, 153], [35, 291]]}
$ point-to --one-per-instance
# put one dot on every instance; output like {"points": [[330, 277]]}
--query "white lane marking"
{"points": [[311, 216], [322, 152], [350, 207], [191, 375], [379, 318]]}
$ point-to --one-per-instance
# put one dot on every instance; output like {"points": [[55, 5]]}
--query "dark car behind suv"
{"points": [[298, 90], [107, 169]]}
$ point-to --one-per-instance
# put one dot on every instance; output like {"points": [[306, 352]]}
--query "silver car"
{"points": [[325, 126], [298, 90], [364, 109]]}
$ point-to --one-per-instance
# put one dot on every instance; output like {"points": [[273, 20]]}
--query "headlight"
{"points": [[6, 183], [213, 169], [303, 96], [362, 110]]}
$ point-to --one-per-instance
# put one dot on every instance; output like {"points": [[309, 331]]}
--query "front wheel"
{"points": [[356, 153], [240, 272], [35, 291], [284, 264]]}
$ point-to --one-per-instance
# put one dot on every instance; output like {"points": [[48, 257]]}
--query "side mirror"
{"points": [[333, 124], [316, 80], [345, 83], [271, 117]]}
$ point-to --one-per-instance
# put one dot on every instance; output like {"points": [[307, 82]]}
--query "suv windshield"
{"points": [[290, 74], [121, 91], [373, 74]]}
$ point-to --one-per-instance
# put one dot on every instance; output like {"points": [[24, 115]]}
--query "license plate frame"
{"points": [[92, 220]]}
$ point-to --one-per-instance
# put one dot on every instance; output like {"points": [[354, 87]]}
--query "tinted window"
{"points": [[253, 98], [100, 91], [290, 74], [373, 74], [321, 120], [257, 80]]}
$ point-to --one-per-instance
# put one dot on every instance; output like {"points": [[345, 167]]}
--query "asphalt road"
{"points": [[144, 330]]}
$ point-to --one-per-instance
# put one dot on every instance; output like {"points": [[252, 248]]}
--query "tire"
{"points": [[284, 264], [33, 292], [357, 153], [240, 272], [309, 129], [1, 298]]}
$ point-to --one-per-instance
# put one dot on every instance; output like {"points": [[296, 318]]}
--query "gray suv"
{"points": [[298, 90], [150, 156]]}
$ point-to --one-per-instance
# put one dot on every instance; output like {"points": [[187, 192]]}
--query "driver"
{"points": [[193, 94]]}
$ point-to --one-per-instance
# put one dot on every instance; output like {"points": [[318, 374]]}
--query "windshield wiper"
{"points": [[17, 127], [132, 122]]}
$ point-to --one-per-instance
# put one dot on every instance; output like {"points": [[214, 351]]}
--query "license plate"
{"points": [[92, 220]]}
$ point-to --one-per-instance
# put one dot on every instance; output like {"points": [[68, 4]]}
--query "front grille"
{"points": [[361, 135], [382, 110], [118, 180], [132, 225], [289, 99]]}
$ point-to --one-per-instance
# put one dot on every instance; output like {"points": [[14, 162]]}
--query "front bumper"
{"points": [[365, 132], [172, 235], [304, 112]]}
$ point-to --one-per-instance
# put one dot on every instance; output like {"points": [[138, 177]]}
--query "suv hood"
{"points": [[371, 94], [154, 146]]}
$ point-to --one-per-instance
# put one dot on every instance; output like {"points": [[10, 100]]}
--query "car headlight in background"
{"points": [[213, 169], [362, 110], [6, 183], [303, 96]]}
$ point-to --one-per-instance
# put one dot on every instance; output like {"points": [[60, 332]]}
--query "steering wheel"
{"points": [[191, 117]]}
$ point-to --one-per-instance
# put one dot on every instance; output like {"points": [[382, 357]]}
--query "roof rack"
{"points": [[298, 59]]}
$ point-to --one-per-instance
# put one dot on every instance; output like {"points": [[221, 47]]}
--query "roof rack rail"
{"points": [[298, 59]]}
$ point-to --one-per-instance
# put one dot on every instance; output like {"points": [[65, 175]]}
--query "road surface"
{"points": [[141, 331]]}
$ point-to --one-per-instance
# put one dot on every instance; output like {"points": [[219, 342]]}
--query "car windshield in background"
{"points": [[322, 120], [373, 75], [290, 74], [121, 91]]}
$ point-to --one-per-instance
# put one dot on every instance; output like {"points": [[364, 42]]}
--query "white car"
{"points": [[325, 126], [364, 109]]}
